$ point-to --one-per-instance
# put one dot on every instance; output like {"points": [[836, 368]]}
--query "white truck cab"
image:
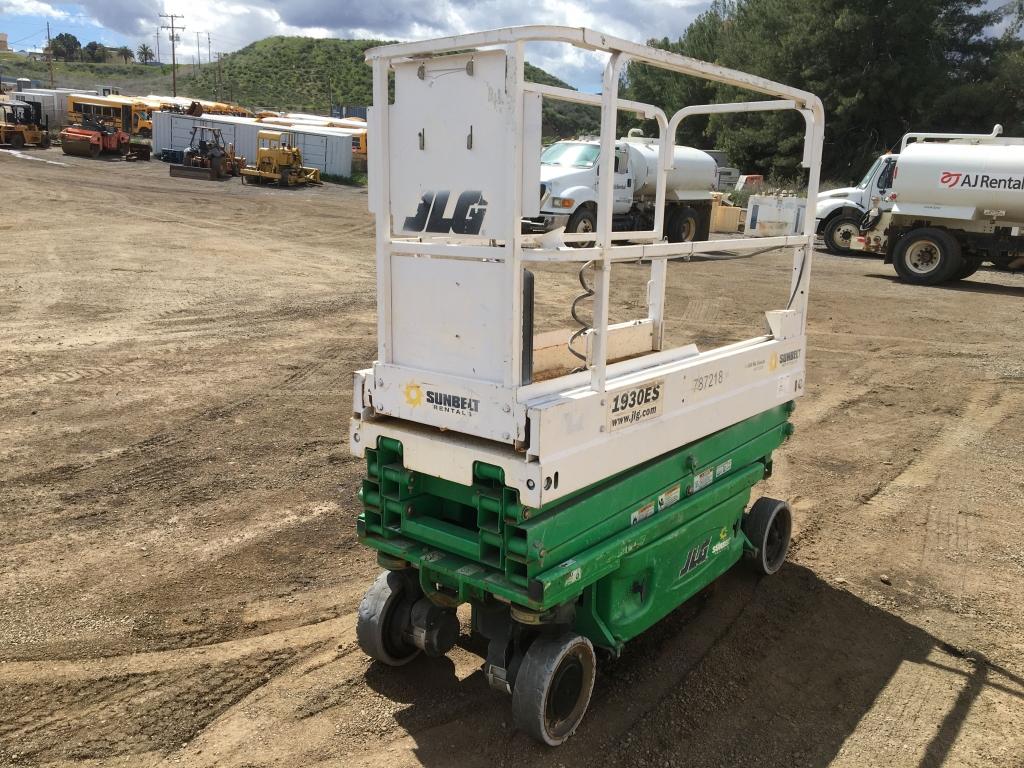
{"points": [[569, 186], [839, 212]]}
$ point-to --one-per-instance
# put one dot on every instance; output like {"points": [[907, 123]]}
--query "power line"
{"points": [[174, 36], [38, 33]]}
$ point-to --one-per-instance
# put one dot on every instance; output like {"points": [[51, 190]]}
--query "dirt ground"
{"points": [[180, 573]]}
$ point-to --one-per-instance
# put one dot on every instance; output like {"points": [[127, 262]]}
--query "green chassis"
{"points": [[625, 551]]}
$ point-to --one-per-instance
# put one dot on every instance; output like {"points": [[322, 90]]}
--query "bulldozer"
{"points": [[21, 124], [208, 157], [279, 160]]}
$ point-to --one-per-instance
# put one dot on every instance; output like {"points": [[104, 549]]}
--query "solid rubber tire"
{"points": [[757, 525], [533, 686], [18, 140], [388, 600], [950, 259]]}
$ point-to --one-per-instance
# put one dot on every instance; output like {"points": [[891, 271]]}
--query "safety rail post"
{"points": [[606, 192]]}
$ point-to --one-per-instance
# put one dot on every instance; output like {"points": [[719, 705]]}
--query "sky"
{"points": [[232, 24]]}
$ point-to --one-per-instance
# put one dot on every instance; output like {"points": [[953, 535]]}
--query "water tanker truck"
{"points": [[569, 176]]}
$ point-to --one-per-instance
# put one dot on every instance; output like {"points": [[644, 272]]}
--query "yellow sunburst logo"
{"points": [[723, 534], [773, 363], [413, 395]]}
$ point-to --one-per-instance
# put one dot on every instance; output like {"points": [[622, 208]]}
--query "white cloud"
{"points": [[234, 24], [31, 8]]}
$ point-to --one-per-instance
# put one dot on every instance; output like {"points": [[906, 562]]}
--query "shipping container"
{"points": [[328, 149]]}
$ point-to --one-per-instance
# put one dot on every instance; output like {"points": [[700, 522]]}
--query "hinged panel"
{"points": [[452, 139]]}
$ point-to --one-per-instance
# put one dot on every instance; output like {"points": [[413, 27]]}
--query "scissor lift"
{"points": [[572, 509]]}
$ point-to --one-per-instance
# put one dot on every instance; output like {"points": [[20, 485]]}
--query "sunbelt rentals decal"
{"points": [[417, 395]]}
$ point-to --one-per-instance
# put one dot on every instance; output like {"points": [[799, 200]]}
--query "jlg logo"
{"points": [[466, 219]]}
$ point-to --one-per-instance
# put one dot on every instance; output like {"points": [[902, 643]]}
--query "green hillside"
{"points": [[306, 74], [138, 79], [300, 74]]}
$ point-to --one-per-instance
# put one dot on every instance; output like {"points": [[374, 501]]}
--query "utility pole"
{"points": [[199, 55], [220, 76], [174, 39], [157, 36], [49, 53], [209, 58]]}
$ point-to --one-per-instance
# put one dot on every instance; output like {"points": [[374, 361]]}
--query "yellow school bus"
{"points": [[131, 115]]}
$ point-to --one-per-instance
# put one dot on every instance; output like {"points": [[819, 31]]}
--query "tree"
{"points": [[125, 53], [65, 46], [881, 68], [144, 53], [94, 52]]}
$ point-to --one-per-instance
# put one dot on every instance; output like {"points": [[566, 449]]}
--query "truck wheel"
{"points": [[553, 687], [384, 616], [768, 525], [969, 268], [839, 234], [44, 141], [681, 225], [927, 256], [582, 221], [17, 140]]}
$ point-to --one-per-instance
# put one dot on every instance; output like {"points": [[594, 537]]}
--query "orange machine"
{"points": [[90, 138]]}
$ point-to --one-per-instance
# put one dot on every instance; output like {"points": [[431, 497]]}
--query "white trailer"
{"points": [[50, 106], [572, 509], [327, 149], [950, 203]]}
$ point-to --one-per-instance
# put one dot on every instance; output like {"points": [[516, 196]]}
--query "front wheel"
{"points": [[385, 614], [18, 141], [553, 687], [582, 221], [769, 527], [927, 256], [839, 234]]}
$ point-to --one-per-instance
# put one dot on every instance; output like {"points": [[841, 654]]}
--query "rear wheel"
{"points": [[18, 140], [969, 268], [44, 141], [553, 687], [94, 150], [768, 526], [682, 224], [927, 256], [839, 234], [385, 615]]}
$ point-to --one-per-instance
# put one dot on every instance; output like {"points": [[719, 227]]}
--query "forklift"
{"points": [[21, 124], [572, 487], [208, 157]]}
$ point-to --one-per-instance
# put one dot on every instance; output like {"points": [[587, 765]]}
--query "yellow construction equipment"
{"points": [[21, 124], [279, 160]]}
